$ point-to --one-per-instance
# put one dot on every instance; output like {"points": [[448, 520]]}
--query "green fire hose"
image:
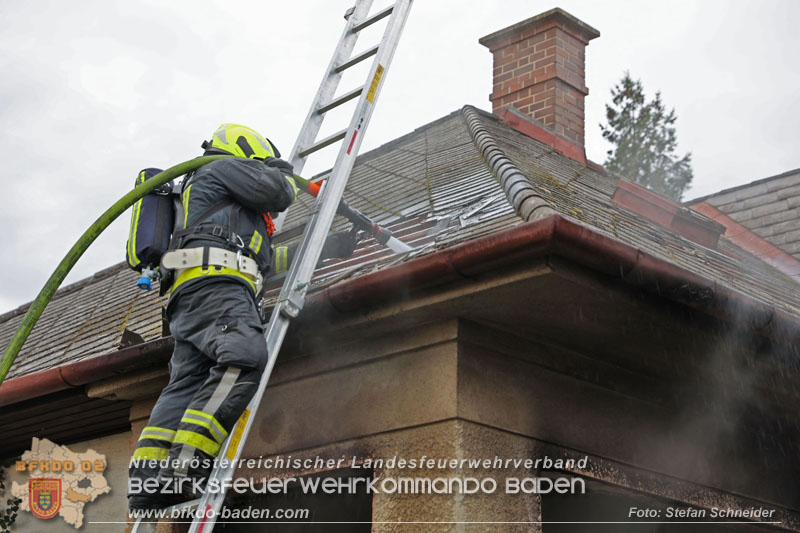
{"points": [[66, 264]]}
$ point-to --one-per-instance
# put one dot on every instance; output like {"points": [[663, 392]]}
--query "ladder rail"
{"points": [[330, 82], [304, 144], [295, 287], [314, 233], [298, 279]]}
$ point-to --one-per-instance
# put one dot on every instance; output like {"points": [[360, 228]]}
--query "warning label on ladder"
{"points": [[373, 87]]}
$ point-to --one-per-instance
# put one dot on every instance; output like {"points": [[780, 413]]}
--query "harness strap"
{"points": [[212, 210], [220, 234], [216, 234], [197, 272], [192, 263], [206, 256], [233, 225], [179, 236]]}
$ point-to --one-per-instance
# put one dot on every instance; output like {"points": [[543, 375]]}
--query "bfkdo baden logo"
{"points": [[61, 482], [44, 496]]}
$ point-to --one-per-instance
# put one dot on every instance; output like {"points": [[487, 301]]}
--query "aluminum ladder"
{"points": [[205, 510]]}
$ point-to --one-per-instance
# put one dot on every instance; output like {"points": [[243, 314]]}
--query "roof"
{"points": [[454, 180], [768, 207]]}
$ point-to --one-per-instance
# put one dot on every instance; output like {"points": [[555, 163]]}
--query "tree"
{"points": [[643, 134], [8, 515]]}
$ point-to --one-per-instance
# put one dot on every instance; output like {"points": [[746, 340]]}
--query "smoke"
{"points": [[729, 432]]}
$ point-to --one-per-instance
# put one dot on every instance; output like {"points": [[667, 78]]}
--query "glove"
{"points": [[283, 166], [286, 169], [339, 244]]}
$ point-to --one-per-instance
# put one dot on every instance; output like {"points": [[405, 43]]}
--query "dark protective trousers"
{"points": [[220, 354]]}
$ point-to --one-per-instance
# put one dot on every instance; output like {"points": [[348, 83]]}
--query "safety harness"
{"points": [[233, 258], [191, 263]]}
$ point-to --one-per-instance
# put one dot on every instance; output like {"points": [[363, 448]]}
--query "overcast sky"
{"points": [[93, 91]]}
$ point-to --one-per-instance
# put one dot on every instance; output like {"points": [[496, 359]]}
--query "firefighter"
{"points": [[220, 350]]}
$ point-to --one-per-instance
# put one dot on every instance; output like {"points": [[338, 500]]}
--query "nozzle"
{"points": [[144, 283], [381, 234], [360, 220]]}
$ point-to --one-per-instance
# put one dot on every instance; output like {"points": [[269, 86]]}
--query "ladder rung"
{"points": [[336, 102], [357, 59], [323, 143], [380, 15]]}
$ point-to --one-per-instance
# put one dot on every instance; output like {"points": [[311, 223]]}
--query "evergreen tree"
{"points": [[643, 134]]}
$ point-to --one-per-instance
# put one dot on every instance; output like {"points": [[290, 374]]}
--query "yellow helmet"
{"points": [[240, 141]]}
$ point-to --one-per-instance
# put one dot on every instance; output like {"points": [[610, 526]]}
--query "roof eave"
{"points": [[85, 371], [553, 235], [559, 236]]}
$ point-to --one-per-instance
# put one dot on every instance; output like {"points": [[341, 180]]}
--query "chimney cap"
{"points": [[583, 30]]}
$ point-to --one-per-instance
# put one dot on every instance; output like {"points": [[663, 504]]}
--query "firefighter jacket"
{"points": [[224, 204]]}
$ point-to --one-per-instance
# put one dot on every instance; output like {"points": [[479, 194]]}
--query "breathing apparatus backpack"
{"points": [[152, 222], [154, 234]]}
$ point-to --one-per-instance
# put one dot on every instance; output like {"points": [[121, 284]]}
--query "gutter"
{"points": [[550, 236], [85, 371], [556, 236]]}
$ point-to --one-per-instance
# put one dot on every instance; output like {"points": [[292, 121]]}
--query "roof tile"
{"points": [[433, 189]]}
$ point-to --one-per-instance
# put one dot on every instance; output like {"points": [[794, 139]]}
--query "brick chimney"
{"points": [[539, 70]]}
